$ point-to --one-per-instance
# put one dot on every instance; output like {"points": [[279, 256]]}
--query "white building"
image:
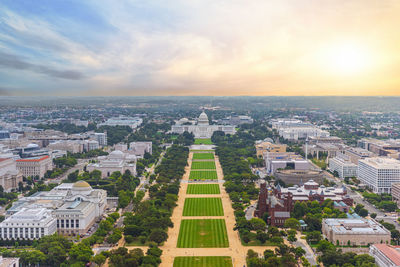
{"points": [[101, 138], [385, 255], [379, 173], [293, 129], [10, 175], [140, 148], [28, 223], [74, 207], [72, 146], [201, 128], [36, 166], [282, 160], [132, 122], [343, 165], [116, 161]]}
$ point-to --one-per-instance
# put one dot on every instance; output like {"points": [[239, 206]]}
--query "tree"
{"points": [[80, 253], [363, 212], [292, 223], [99, 259], [373, 215], [313, 237], [257, 224], [262, 236], [158, 236]]}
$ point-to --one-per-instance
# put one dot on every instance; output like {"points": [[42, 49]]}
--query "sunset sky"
{"points": [[200, 47]]}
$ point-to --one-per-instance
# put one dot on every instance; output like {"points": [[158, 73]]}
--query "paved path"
{"points": [[235, 250]]}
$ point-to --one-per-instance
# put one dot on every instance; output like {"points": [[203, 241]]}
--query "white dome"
{"points": [[203, 118], [117, 154]]}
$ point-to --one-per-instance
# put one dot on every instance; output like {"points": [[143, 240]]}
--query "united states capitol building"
{"points": [[70, 209], [200, 128]]}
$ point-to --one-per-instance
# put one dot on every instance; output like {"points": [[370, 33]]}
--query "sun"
{"points": [[347, 58]]}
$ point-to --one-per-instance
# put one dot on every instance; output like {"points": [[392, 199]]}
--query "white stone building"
{"points": [[202, 128], [116, 161], [101, 138], [74, 207], [140, 148], [28, 223], [354, 231], [10, 175], [72, 146], [343, 165], [132, 122], [293, 129], [379, 173], [36, 166]]}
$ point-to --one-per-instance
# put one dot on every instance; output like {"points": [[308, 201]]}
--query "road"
{"points": [[79, 166]]}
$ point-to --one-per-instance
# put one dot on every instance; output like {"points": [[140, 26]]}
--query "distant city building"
{"points": [[293, 129], [282, 160], [202, 128], [69, 208], [395, 191], [237, 120], [36, 166], [357, 153], [263, 147], [101, 138], [388, 148], [4, 134], [385, 255], [312, 140], [329, 149], [132, 122], [379, 173], [89, 145], [121, 146], [10, 175], [28, 223], [72, 146], [354, 232], [343, 166], [115, 161], [140, 148]]}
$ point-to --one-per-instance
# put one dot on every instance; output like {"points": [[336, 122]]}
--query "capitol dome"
{"points": [[203, 118]]}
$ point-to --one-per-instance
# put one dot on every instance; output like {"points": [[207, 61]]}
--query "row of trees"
{"points": [[283, 256], [150, 220]]}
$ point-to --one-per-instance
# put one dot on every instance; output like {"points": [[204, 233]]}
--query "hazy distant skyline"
{"points": [[277, 47]]}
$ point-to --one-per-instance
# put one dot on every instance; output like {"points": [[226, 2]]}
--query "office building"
{"points": [[132, 122], [265, 146], [140, 148], [387, 148], [115, 161], [288, 160], [10, 175], [357, 153], [343, 166], [36, 166], [379, 173], [358, 232]]}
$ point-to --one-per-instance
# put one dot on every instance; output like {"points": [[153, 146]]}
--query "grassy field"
{"points": [[201, 141], [203, 206], [210, 233], [206, 261], [203, 189], [203, 165], [203, 156], [203, 175]]}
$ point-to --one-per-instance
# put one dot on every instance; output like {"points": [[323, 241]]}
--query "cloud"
{"points": [[15, 62]]}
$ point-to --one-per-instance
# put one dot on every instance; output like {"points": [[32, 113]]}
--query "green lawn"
{"points": [[203, 206], [201, 141], [203, 156], [210, 233], [206, 261], [203, 165], [203, 189], [203, 175]]}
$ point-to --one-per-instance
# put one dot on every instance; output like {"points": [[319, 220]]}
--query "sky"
{"points": [[199, 47]]}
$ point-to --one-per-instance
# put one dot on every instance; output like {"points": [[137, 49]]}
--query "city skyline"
{"points": [[199, 48]]}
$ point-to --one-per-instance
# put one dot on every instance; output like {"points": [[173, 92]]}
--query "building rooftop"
{"points": [[355, 226], [382, 162], [391, 252], [33, 159]]}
